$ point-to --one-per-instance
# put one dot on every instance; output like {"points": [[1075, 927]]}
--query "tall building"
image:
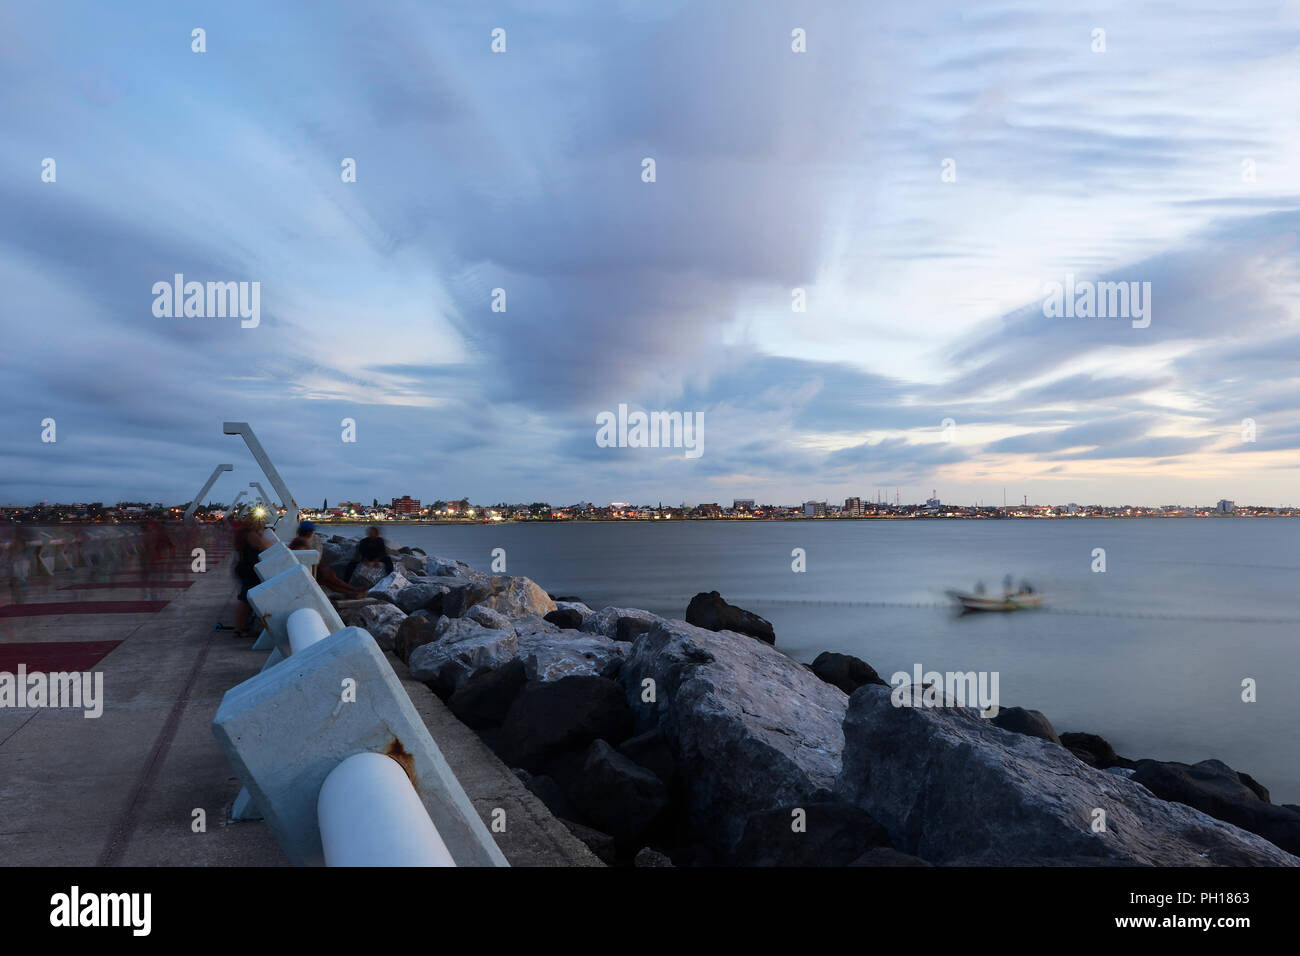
{"points": [[853, 506], [1225, 506], [742, 504], [406, 505], [814, 509]]}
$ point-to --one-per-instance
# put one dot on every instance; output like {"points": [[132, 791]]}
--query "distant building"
{"points": [[853, 506], [350, 506], [814, 509], [709, 510], [743, 504], [406, 505], [1225, 506]]}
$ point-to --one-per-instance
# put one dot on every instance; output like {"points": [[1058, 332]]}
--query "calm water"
{"points": [[1149, 654]]}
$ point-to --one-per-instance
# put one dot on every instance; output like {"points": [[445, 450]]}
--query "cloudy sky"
{"points": [[1170, 157]]}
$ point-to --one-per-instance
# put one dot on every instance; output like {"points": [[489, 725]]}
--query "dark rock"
{"points": [[832, 834], [565, 597], [750, 728], [1094, 751], [887, 856], [1213, 787], [628, 629], [548, 791], [411, 599], [651, 751], [601, 844], [845, 671], [549, 717], [1259, 789], [1031, 723], [484, 700], [949, 786], [567, 618], [415, 631], [648, 857], [616, 795], [711, 612], [459, 598]]}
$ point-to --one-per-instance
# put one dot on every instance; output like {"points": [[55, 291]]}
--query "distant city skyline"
{"points": [[845, 270]]}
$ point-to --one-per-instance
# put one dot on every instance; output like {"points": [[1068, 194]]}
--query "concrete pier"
{"points": [[123, 789]]}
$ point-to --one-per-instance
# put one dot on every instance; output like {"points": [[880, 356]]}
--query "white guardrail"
{"points": [[331, 751]]}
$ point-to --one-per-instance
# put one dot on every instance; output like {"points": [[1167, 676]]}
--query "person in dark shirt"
{"points": [[251, 539], [325, 576], [370, 550]]}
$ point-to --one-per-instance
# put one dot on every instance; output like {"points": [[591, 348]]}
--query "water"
{"points": [[1150, 654]]}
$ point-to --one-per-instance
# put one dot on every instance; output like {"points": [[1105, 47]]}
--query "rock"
{"points": [[567, 714], [887, 856], [387, 587], [601, 844], [628, 629], [532, 624], [548, 791], [446, 566], [573, 605], [552, 656], [415, 563], [651, 751], [750, 728], [415, 631], [1094, 751], [648, 857], [949, 785], [518, 597], [418, 596], [845, 671], [484, 699], [336, 555], [489, 618], [459, 598], [1213, 787], [460, 648], [834, 834], [565, 617], [616, 795], [710, 611], [1031, 723], [366, 575], [382, 621], [605, 621]]}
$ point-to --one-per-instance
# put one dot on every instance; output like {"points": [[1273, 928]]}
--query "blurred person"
{"points": [[308, 541], [251, 539], [371, 550]]}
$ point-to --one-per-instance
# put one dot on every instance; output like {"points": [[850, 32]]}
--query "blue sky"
{"points": [[775, 170]]}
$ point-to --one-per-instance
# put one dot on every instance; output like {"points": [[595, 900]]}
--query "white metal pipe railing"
{"points": [[305, 627], [370, 815]]}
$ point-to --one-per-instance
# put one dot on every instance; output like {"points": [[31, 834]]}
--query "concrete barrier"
{"points": [[275, 599], [286, 729]]}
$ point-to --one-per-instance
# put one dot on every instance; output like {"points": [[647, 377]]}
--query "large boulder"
{"points": [[1031, 723], [566, 617], [415, 631], [413, 563], [616, 795], [584, 612], [709, 610], [483, 700], [382, 621], [845, 671], [461, 647], [651, 751], [518, 597], [605, 621], [1094, 751], [389, 586], [460, 596], [418, 595], [366, 575], [551, 656], [816, 834], [750, 728], [489, 618], [548, 718], [949, 785], [1213, 787]]}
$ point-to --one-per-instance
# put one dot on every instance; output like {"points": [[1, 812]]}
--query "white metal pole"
{"points": [[305, 627], [198, 499], [370, 815]]}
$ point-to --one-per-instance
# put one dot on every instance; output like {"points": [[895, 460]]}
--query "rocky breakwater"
{"points": [[659, 740]]}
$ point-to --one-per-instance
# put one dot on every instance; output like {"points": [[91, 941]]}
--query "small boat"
{"points": [[1009, 602]]}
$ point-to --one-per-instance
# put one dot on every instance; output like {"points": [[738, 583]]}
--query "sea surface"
{"points": [[1150, 654]]}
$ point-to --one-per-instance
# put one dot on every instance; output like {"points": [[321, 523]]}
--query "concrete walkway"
{"points": [[123, 789]]}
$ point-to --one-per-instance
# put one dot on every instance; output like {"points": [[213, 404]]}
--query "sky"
{"points": [[921, 172]]}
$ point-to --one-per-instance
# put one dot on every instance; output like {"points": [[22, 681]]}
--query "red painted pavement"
{"points": [[54, 655], [83, 607]]}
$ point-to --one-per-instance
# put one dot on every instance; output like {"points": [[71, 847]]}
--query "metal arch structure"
{"points": [[194, 505], [263, 460], [234, 505], [267, 501]]}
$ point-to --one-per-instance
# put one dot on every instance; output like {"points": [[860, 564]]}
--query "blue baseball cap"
{"points": [[306, 527]]}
